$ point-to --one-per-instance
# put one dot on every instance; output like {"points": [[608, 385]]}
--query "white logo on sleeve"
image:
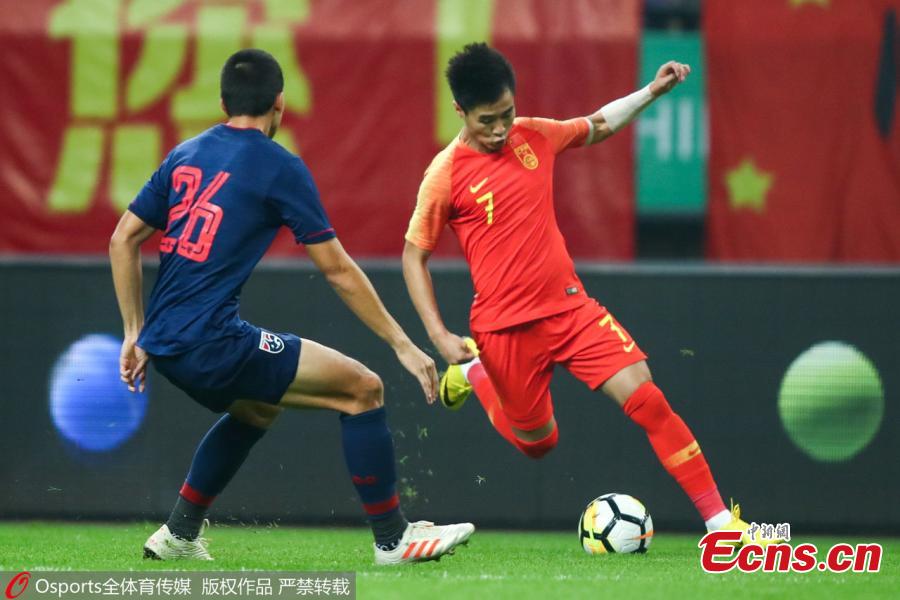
{"points": [[271, 343]]}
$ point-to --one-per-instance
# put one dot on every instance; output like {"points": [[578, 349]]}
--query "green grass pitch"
{"points": [[495, 564]]}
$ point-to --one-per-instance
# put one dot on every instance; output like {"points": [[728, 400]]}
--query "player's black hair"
{"points": [[251, 80], [478, 74]]}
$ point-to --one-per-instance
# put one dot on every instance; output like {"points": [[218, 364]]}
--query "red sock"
{"points": [[539, 448], [675, 447], [490, 401]]}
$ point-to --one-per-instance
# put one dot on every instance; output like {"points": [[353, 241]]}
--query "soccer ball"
{"points": [[615, 523]]}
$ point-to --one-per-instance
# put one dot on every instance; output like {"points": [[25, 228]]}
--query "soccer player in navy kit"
{"points": [[220, 198]]}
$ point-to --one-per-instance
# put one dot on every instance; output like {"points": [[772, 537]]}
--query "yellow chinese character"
{"points": [[98, 120]]}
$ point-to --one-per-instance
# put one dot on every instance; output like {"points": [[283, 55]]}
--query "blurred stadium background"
{"points": [[746, 230]]}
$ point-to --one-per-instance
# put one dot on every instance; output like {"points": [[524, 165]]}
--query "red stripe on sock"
{"points": [[709, 503], [195, 497], [379, 508]]}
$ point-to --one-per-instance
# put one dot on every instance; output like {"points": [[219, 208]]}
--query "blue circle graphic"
{"points": [[90, 405]]}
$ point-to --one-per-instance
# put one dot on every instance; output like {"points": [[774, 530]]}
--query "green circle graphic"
{"points": [[831, 401]]}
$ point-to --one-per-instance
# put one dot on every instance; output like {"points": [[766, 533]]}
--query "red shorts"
{"points": [[587, 341]]}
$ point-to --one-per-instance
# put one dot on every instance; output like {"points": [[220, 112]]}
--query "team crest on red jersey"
{"points": [[524, 153], [271, 343]]}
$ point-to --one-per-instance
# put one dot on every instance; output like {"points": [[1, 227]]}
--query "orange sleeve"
{"points": [[433, 203], [562, 134]]}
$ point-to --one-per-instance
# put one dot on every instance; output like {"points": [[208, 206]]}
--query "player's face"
{"points": [[487, 125]]}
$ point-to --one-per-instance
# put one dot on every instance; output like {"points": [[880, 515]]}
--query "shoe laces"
{"points": [[735, 510], [421, 529], [198, 546]]}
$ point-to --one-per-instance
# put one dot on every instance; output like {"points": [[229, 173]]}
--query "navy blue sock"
{"points": [[220, 454], [369, 453]]}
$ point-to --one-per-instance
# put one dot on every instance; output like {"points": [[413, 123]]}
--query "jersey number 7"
{"points": [[197, 209]]}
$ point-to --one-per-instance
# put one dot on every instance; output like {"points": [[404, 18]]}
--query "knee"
{"points": [[258, 415], [368, 392], [539, 448], [648, 407], [621, 386]]}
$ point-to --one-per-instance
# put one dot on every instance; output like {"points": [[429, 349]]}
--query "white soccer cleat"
{"points": [[163, 545], [423, 540]]}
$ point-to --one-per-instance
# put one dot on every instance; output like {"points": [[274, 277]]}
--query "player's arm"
{"points": [[357, 292], [125, 259], [421, 290], [429, 218], [617, 114]]}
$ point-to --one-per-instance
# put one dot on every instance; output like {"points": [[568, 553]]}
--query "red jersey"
{"points": [[500, 205]]}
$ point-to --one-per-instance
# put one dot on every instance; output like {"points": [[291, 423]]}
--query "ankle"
{"points": [[718, 521], [474, 367], [389, 529]]}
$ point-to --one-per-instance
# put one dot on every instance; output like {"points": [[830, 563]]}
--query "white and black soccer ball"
{"points": [[615, 523]]}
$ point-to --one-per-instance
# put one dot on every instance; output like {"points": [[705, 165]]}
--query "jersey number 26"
{"points": [[198, 209]]}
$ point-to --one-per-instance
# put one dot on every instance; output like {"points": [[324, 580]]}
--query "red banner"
{"points": [[95, 92], [805, 142]]}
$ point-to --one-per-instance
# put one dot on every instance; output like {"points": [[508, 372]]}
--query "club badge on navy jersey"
{"points": [[271, 343]]}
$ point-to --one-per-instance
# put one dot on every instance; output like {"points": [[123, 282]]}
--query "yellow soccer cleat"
{"points": [[738, 524], [454, 389]]}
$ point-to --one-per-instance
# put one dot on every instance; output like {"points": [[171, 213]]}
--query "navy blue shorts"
{"points": [[254, 364]]}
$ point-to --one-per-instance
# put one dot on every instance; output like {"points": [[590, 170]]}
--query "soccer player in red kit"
{"points": [[493, 185]]}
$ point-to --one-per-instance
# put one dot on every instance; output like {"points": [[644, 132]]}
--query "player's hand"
{"points": [[668, 76], [421, 366], [453, 348], [133, 365]]}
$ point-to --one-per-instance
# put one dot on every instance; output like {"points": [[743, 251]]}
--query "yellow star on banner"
{"points": [[748, 186], [822, 3]]}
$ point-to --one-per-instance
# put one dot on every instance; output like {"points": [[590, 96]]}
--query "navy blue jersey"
{"points": [[220, 198]]}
